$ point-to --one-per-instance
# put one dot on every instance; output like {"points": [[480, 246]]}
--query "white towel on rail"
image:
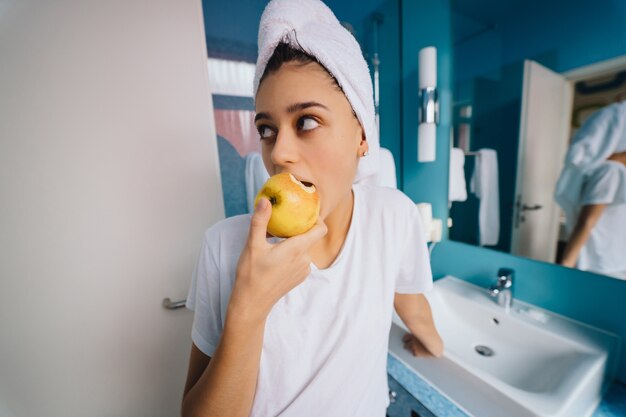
{"points": [[256, 175], [484, 184], [457, 188], [387, 173]]}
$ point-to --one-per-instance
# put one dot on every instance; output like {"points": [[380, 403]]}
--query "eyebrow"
{"points": [[292, 109]]}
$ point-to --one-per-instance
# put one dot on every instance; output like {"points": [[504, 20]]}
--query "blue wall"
{"points": [[426, 23], [390, 81], [578, 31]]}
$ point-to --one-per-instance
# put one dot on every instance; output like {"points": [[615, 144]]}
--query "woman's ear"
{"points": [[364, 147]]}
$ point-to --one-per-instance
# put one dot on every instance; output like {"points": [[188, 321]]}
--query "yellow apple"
{"points": [[295, 206]]}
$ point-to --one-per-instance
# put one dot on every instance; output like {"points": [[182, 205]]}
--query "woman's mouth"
{"points": [[302, 181]]}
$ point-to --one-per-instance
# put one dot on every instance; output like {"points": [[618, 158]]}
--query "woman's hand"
{"points": [[587, 220], [413, 345], [415, 312], [266, 271]]}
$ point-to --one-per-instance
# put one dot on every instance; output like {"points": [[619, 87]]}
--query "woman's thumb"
{"points": [[260, 219], [261, 205]]}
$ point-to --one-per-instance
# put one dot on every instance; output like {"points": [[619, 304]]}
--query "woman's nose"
{"points": [[285, 150]]}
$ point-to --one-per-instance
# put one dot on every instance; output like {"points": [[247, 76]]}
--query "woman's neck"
{"points": [[338, 222]]}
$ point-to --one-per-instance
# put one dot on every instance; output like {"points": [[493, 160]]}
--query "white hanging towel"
{"points": [[484, 184], [386, 175], [387, 172], [457, 188], [256, 175]]}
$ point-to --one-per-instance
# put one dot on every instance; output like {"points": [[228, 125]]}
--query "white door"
{"points": [[544, 129], [108, 178]]}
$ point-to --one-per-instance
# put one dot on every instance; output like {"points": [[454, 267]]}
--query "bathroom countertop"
{"points": [[613, 404]]}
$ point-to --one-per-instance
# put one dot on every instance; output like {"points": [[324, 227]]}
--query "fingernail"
{"points": [[261, 204]]}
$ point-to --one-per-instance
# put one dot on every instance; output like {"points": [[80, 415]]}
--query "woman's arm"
{"points": [[587, 219], [415, 312], [225, 384]]}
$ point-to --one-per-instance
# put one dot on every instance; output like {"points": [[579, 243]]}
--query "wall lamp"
{"points": [[428, 112]]}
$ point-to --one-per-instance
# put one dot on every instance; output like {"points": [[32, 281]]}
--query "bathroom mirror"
{"points": [[528, 74]]}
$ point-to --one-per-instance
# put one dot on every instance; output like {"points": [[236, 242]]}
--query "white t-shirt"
{"points": [[605, 250], [325, 343]]}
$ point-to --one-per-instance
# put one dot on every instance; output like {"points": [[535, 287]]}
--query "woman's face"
{"points": [[307, 128]]}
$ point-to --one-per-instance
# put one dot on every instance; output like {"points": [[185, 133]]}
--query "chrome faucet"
{"points": [[502, 290]]}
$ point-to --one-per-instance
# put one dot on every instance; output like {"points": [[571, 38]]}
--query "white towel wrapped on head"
{"points": [[311, 26]]}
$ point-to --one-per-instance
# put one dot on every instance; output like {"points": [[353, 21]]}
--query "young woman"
{"points": [[592, 192], [598, 239], [300, 326]]}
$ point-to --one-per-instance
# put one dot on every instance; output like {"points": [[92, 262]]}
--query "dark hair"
{"points": [[285, 53]]}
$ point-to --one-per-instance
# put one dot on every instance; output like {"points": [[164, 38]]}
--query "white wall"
{"points": [[108, 178]]}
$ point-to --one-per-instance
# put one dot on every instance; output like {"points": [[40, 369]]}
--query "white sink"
{"points": [[528, 362]]}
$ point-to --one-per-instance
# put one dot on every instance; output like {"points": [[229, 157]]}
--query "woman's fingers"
{"points": [[409, 343], [307, 239], [411, 348], [259, 221]]}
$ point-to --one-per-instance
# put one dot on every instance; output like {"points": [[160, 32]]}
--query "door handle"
{"points": [[535, 207], [173, 305]]}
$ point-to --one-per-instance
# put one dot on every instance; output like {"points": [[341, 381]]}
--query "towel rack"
{"points": [[470, 153]]}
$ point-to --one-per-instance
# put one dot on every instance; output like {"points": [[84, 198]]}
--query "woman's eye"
{"points": [[264, 131], [307, 123]]}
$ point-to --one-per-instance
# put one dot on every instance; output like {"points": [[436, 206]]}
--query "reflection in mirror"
{"points": [[538, 165]]}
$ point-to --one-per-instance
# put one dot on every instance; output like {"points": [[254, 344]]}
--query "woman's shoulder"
{"points": [[606, 184], [385, 197], [231, 229], [606, 173]]}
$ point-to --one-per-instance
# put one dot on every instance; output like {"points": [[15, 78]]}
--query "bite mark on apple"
{"points": [[309, 189]]}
